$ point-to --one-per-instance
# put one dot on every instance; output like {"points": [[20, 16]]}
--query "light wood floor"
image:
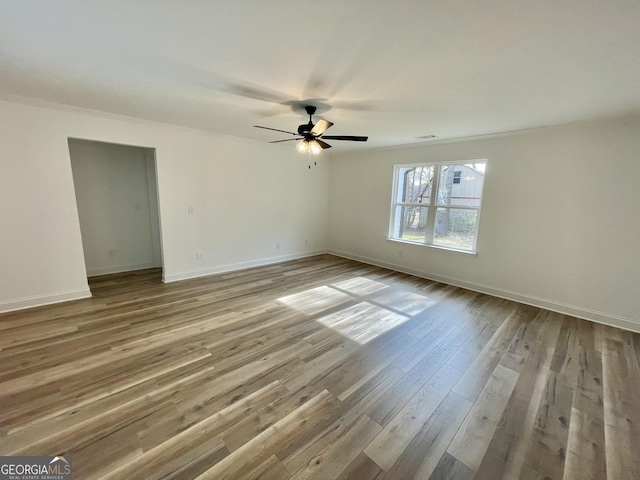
{"points": [[317, 368]]}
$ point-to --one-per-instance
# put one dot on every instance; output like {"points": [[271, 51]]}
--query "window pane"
{"points": [[414, 184], [410, 223], [461, 185], [455, 228]]}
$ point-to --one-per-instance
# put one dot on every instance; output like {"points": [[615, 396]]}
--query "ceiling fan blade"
{"points": [[322, 144], [287, 140], [276, 130], [351, 138], [256, 92], [320, 127]]}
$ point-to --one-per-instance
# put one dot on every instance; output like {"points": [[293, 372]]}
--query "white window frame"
{"points": [[432, 206]]}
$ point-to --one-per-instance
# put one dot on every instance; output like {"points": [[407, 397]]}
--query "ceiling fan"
{"points": [[312, 137]]}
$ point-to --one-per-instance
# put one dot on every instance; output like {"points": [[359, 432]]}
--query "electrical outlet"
{"points": [[306, 243], [198, 255], [277, 245], [111, 252], [191, 210], [400, 253]]}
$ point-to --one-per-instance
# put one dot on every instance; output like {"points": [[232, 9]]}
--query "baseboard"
{"points": [[566, 309], [119, 269], [40, 300], [168, 278]]}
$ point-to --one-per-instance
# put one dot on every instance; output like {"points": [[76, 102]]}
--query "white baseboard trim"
{"points": [[119, 269], [176, 277], [40, 300], [566, 309]]}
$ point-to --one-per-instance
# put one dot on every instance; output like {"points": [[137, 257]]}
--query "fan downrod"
{"points": [[305, 128]]}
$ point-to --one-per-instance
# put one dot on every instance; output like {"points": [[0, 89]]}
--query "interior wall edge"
{"points": [[565, 309], [120, 269], [42, 300]]}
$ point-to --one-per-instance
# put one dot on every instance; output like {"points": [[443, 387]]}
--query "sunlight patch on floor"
{"points": [[406, 302], [384, 309], [360, 286], [315, 300], [362, 322]]}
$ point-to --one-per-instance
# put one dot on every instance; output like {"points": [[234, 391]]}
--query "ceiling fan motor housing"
{"points": [[305, 128], [310, 133]]}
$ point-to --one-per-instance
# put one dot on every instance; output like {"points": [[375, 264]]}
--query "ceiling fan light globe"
{"points": [[315, 147], [302, 146]]}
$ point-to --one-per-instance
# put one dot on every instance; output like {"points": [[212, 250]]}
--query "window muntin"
{"points": [[455, 228], [411, 223], [465, 193], [417, 184], [438, 204]]}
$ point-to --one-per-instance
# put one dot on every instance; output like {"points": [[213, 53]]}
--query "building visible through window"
{"points": [[437, 204]]}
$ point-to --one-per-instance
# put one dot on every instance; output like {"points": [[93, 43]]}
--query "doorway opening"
{"points": [[117, 198]]}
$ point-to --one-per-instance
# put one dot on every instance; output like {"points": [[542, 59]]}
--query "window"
{"points": [[437, 204]]}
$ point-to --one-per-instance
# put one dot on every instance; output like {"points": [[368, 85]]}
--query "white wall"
{"points": [[116, 198], [246, 197], [559, 225]]}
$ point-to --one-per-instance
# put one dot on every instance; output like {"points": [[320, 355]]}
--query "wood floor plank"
{"points": [[476, 376], [184, 442], [472, 439], [423, 454], [449, 468], [585, 448], [506, 452], [531, 322], [398, 433], [331, 461], [395, 399], [548, 444], [281, 436], [320, 367], [270, 469], [621, 390], [586, 442], [362, 468]]}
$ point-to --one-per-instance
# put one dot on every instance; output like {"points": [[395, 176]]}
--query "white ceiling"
{"points": [[390, 70]]}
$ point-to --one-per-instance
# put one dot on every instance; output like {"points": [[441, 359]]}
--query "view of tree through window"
{"points": [[437, 204]]}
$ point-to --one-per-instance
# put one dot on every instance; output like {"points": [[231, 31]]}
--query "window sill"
{"points": [[437, 247]]}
